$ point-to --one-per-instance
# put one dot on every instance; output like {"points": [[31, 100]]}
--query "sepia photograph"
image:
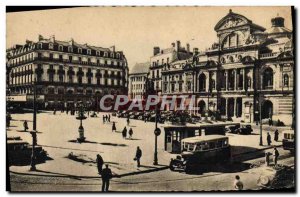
{"points": [[150, 99]]}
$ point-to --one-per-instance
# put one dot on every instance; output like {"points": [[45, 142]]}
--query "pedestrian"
{"points": [[238, 184], [106, 176], [130, 133], [124, 132], [25, 125], [275, 155], [54, 111], [99, 161], [269, 139], [267, 157], [276, 135], [138, 156], [114, 127], [270, 122], [108, 118], [128, 121], [103, 119], [145, 118]]}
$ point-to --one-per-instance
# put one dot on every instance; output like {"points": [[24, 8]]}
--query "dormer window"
{"points": [[118, 55], [60, 48], [105, 54], [79, 50], [98, 53], [70, 49], [40, 46], [112, 55], [50, 45], [89, 51]]}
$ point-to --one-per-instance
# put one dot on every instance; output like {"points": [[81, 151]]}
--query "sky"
{"points": [[133, 30]]}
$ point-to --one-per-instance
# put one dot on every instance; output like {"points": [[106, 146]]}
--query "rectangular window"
{"points": [[98, 81], [89, 80]]}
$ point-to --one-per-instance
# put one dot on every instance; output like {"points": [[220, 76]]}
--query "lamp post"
{"points": [[157, 132], [33, 133], [260, 122], [81, 117]]}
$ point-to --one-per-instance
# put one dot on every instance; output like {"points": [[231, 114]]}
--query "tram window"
{"points": [[286, 136], [169, 139], [197, 133], [219, 144], [225, 143], [198, 147], [205, 146], [212, 145], [191, 147], [292, 136]]}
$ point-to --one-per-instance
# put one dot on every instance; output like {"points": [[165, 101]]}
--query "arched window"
{"points": [[268, 79], [286, 80], [202, 82]]}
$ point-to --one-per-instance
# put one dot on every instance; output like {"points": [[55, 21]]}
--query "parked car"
{"points": [[231, 128], [244, 130], [19, 152]]}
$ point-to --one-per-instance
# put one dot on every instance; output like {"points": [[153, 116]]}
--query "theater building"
{"points": [[248, 70], [65, 72]]}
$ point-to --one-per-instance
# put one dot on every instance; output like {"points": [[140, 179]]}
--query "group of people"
{"points": [[276, 137], [124, 133], [106, 173], [106, 118]]}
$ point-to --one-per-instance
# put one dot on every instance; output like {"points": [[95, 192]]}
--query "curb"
{"points": [[92, 177]]}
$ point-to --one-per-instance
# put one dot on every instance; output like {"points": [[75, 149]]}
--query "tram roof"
{"points": [[204, 138], [288, 131]]}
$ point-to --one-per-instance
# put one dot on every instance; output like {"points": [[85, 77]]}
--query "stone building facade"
{"points": [[249, 69], [138, 76], [65, 72]]}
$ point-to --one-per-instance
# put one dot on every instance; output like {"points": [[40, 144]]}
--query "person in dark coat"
{"points": [[269, 139], [106, 176], [103, 119], [128, 121], [114, 127], [100, 162], [108, 118], [138, 156], [124, 132], [275, 155], [267, 158], [130, 132], [25, 125], [276, 135]]}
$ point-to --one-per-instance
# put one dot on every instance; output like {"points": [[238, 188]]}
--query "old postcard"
{"points": [[150, 99]]}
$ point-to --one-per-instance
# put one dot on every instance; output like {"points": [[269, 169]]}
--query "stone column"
{"points": [[243, 73], [235, 79], [235, 104], [226, 106], [226, 83]]}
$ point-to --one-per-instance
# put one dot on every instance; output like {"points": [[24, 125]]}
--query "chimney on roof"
{"points": [[156, 50], [173, 44], [52, 38], [41, 37], [178, 45], [188, 47]]}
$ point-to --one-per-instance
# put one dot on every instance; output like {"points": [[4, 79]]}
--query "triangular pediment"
{"points": [[231, 20]]}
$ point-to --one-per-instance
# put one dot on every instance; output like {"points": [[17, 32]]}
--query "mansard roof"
{"points": [[140, 68]]}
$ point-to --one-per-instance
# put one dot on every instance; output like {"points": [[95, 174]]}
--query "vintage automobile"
{"points": [[244, 130], [200, 152], [288, 140], [19, 152], [231, 128]]}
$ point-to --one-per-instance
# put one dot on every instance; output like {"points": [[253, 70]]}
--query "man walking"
{"points": [[128, 121], [275, 155], [138, 156], [269, 139], [114, 127], [108, 119], [99, 161], [130, 133], [106, 176], [124, 132], [25, 125], [276, 135]]}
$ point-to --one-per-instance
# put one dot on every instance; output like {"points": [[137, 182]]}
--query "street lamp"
{"points": [[33, 132], [157, 132], [81, 117]]}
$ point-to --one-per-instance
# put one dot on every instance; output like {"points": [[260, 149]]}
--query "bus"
{"points": [[288, 140], [201, 151]]}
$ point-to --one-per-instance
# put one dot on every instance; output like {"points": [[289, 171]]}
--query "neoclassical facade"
{"points": [[249, 69], [65, 72]]}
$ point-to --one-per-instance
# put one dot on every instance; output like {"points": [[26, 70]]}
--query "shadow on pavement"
{"points": [[102, 143]]}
